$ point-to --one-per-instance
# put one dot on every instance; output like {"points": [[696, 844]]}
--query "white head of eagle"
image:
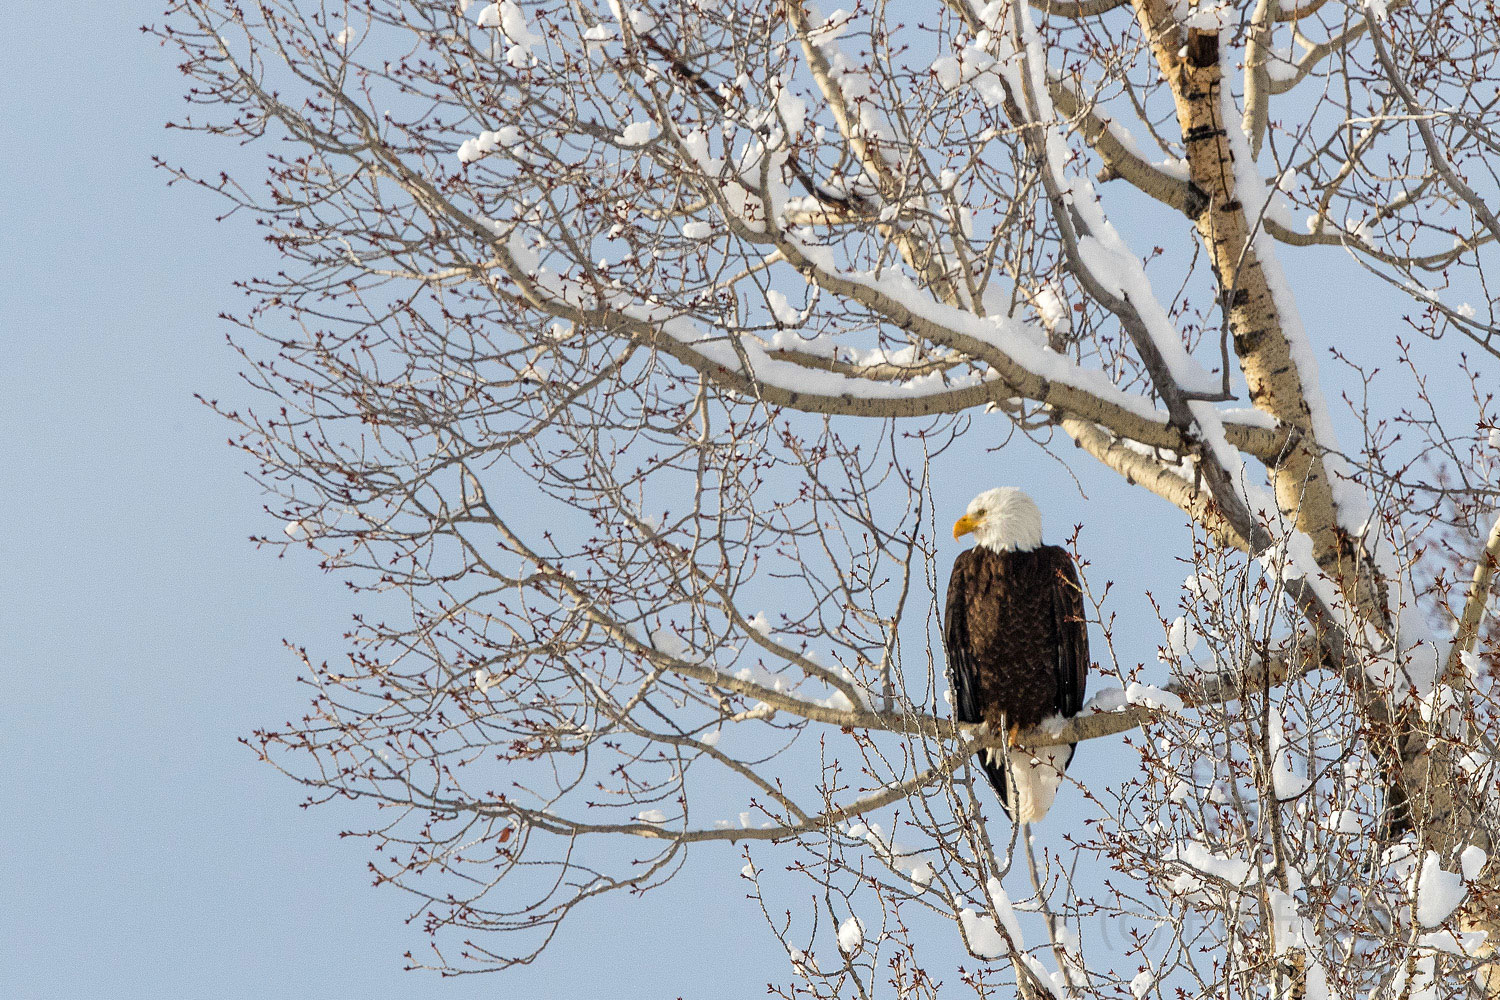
{"points": [[1003, 520]]}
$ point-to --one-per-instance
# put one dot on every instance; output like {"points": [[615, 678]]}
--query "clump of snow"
{"points": [[294, 529], [668, 641], [1196, 856], [1201, 585], [1290, 931], [1463, 943], [711, 739], [636, 134], [1152, 697], [839, 702], [511, 21], [487, 142], [962, 67], [1052, 309], [1182, 638], [696, 229], [1285, 782], [1344, 821], [851, 936], [1001, 902], [831, 28], [782, 309], [760, 623], [1173, 167], [898, 856], [791, 108], [484, 680], [1142, 983], [639, 20], [1206, 17], [1399, 860], [1110, 699], [1437, 892], [652, 816], [1473, 666], [1434, 707], [1474, 762], [822, 345], [984, 940]]}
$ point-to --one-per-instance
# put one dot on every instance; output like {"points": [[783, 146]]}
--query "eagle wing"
{"points": [[963, 678], [1071, 667]]}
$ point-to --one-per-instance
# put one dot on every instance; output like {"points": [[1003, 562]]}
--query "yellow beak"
{"points": [[964, 525]]}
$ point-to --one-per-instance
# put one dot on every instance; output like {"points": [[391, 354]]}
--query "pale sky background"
{"points": [[143, 852]]}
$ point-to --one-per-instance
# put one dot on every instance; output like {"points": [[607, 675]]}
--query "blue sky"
{"points": [[143, 852]]}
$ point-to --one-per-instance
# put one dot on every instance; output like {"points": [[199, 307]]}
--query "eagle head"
{"points": [[1002, 520]]}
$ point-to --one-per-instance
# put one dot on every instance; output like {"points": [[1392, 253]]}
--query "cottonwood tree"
{"points": [[600, 327]]}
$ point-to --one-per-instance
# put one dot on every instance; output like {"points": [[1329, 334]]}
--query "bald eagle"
{"points": [[1017, 644]]}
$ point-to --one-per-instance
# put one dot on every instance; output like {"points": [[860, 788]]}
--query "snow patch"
{"points": [[1285, 782], [667, 641], [1436, 893], [487, 142], [1052, 309], [1152, 697], [1345, 821], [984, 940], [637, 134], [1110, 699], [832, 27], [782, 309], [1182, 638], [851, 936]]}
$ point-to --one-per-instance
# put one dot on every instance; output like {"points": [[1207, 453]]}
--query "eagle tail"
{"points": [[1027, 783]]}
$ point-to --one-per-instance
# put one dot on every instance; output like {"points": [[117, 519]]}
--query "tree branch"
{"points": [[1475, 601]]}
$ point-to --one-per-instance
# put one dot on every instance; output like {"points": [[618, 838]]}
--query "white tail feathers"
{"points": [[1032, 779]]}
